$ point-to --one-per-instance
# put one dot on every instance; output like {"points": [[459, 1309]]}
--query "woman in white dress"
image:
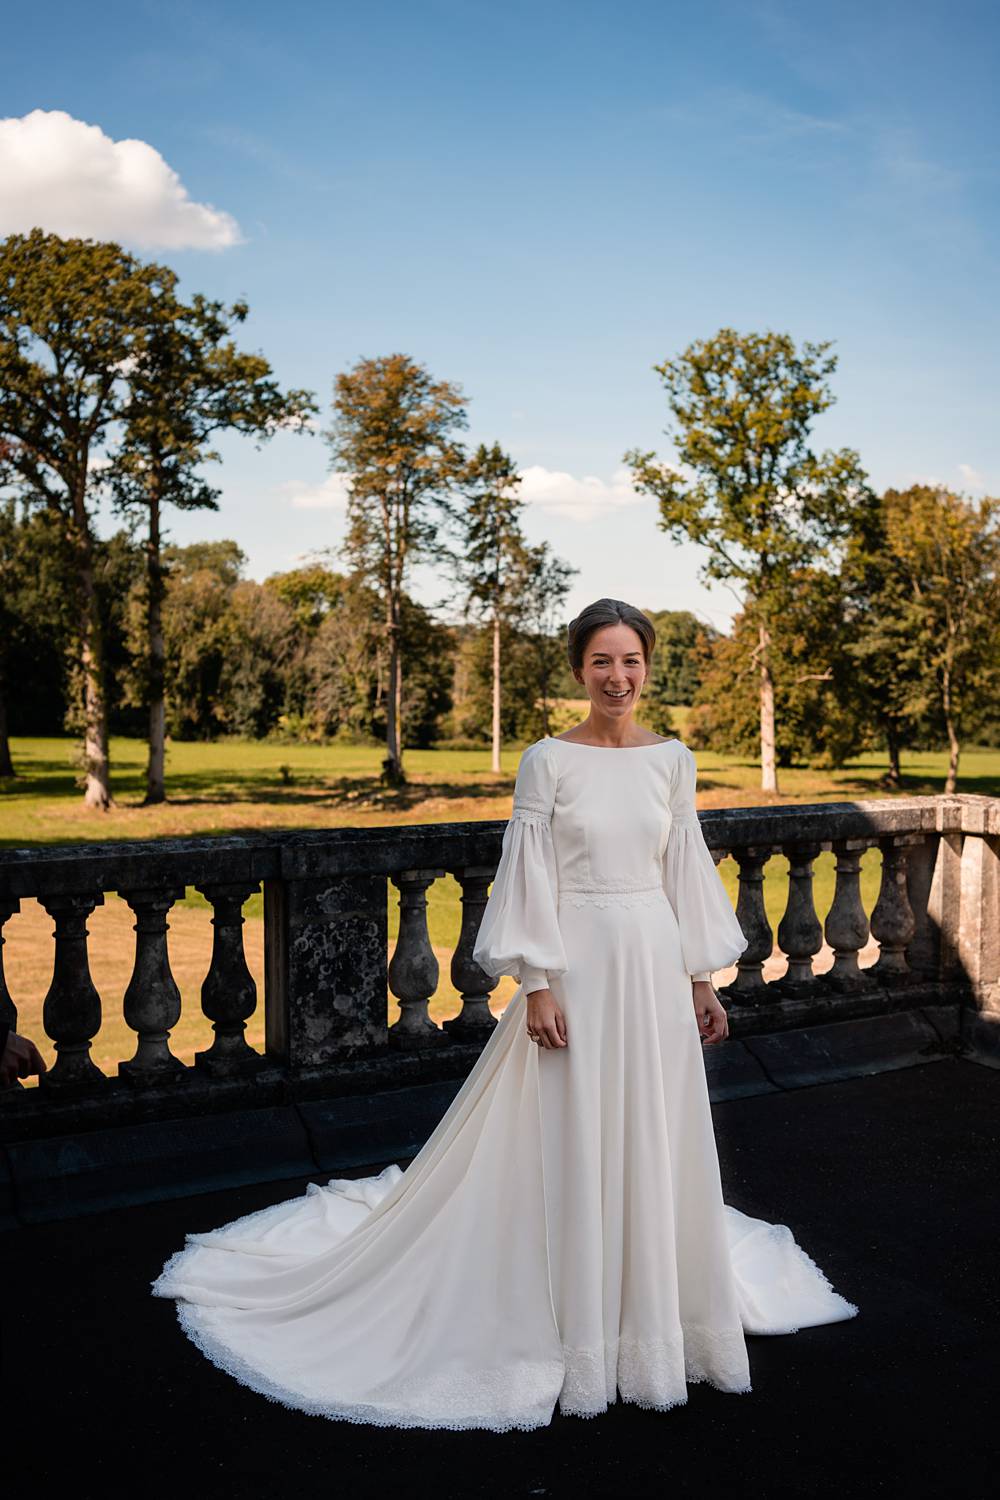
{"points": [[561, 1237]]}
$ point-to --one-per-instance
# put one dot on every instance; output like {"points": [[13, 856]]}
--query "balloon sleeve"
{"points": [[519, 933], [711, 936]]}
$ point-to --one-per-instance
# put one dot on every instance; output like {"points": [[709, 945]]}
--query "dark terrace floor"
{"points": [[889, 1182]]}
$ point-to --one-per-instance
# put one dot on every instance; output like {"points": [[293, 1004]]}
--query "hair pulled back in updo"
{"points": [[607, 612]]}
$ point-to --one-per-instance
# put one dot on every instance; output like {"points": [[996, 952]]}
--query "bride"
{"points": [[561, 1237]]}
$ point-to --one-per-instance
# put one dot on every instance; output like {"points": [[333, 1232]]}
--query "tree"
{"points": [[73, 314], [491, 554], [675, 676], [260, 646], [541, 591], [890, 687], [187, 381], [393, 436], [346, 665], [198, 631], [754, 494], [947, 549], [36, 621]]}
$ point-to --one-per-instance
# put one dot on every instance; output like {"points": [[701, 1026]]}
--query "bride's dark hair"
{"points": [[607, 612]]}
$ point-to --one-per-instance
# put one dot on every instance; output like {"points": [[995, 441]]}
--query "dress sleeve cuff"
{"points": [[533, 979], [705, 974]]}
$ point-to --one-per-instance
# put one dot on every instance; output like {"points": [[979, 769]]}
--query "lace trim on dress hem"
{"points": [[653, 1373], [647, 1373], [529, 1384], [781, 1234]]}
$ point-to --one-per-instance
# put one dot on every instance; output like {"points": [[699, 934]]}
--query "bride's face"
{"points": [[614, 669]]}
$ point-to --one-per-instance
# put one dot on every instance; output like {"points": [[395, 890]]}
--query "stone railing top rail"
{"points": [[294, 855]]}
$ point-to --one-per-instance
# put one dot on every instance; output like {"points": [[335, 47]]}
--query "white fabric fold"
{"points": [[519, 932], [711, 936]]}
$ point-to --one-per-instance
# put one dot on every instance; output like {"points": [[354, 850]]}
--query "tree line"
{"points": [[864, 619]]}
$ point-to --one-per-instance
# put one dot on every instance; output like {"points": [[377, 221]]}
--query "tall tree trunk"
{"points": [[892, 778], [392, 766], [496, 691], [953, 745], [155, 769], [768, 764], [96, 764], [6, 764]]}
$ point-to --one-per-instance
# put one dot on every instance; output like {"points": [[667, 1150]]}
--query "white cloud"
{"points": [[583, 499], [331, 494], [69, 178], [972, 477]]}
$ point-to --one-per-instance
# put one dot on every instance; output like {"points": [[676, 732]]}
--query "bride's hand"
{"points": [[546, 1024], [713, 1023]]}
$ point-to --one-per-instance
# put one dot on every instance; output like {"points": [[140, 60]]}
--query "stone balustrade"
{"points": [[328, 973]]}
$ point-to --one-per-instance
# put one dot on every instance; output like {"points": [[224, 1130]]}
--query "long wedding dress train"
{"points": [[561, 1237]]}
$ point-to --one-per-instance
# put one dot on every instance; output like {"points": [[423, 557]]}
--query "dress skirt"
{"points": [[560, 1238]]}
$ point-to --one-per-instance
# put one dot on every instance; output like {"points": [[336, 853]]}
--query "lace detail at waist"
{"points": [[626, 895]]}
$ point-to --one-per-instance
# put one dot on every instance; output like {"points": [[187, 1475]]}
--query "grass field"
{"points": [[237, 786]]}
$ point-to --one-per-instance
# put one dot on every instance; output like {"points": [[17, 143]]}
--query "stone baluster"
{"points": [[71, 1013], [475, 1020], [152, 1000], [893, 923], [846, 924], [800, 935], [923, 952], [413, 968], [749, 986], [229, 994]]}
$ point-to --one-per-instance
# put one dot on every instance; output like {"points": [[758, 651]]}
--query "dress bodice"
{"points": [[611, 818], [592, 824]]}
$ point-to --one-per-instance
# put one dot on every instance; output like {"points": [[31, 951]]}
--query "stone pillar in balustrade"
{"points": [[475, 1020], [977, 939], [152, 1000], [893, 924], [749, 986], [846, 925], [325, 943], [229, 993], [923, 951], [800, 935], [944, 903], [71, 1013], [413, 968]]}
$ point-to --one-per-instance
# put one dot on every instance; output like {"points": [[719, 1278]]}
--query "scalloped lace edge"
{"points": [[784, 1233], [592, 1379]]}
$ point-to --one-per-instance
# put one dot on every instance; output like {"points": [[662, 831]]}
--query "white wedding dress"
{"points": [[561, 1236]]}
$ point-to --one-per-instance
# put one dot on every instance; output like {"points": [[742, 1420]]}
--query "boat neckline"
{"points": [[653, 745]]}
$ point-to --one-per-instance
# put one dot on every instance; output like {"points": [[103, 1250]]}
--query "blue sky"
{"points": [[540, 201]]}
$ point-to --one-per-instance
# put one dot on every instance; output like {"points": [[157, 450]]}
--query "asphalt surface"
{"points": [[889, 1182]]}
